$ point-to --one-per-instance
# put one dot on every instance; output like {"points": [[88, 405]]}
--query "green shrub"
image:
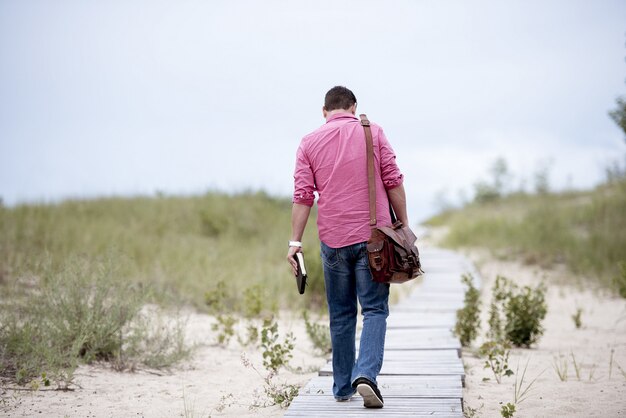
{"points": [[498, 298], [516, 313], [280, 394], [275, 354], [154, 340], [84, 311], [216, 299], [252, 335], [508, 410], [318, 334], [468, 317], [225, 328], [497, 358], [253, 301]]}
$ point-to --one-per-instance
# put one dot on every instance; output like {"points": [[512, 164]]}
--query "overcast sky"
{"points": [[128, 97]]}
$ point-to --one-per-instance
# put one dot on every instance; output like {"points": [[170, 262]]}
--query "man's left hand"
{"points": [[290, 257]]}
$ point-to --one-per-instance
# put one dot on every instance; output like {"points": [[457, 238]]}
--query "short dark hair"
{"points": [[339, 97]]}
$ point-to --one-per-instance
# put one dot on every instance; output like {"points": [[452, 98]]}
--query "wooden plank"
{"points": [[422, 374], [427, 306], [436, 295], [421, 339], [396, 387], [421, 320], [432, 356], [421, 355], [455, 304], [312, 406], [412, 369]]}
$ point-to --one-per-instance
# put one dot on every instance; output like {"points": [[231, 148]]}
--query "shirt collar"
{"points": [[341, 115]]}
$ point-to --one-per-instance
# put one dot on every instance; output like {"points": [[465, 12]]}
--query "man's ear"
{"points": [[353, 109], [324, 111]]}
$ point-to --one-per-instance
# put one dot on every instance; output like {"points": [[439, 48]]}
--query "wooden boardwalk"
{"points": [[422, 373]]}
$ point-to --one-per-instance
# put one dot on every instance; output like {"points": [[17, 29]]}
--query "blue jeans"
{"points": [[347, 277]]}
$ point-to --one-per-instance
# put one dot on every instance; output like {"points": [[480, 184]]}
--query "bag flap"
{"points": [[403, 236]]}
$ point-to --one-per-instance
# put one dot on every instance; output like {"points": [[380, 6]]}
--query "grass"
{"points": [[181, 246], [584, 230], [82, 312], [559, 364], [86, 280]]}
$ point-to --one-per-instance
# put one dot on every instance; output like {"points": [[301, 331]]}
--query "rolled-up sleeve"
{"points": [[390, 173], [304, 181]]}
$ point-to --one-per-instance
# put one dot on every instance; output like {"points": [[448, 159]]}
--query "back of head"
{"points": [[339, 97]]}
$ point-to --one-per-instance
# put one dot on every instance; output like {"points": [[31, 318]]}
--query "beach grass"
{"points": [[102, 279], [583, 230], [183, 247]]}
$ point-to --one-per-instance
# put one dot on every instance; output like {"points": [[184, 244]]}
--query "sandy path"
{"points": [[603, 330]]}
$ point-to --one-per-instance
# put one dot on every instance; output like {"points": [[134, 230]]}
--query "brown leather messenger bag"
{"points": [[393, 256]]}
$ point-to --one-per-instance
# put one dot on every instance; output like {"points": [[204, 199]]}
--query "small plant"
{"points": [[216, 298], [559, 364], [576, 365], [275, 354], [621, 370], [153, 339], [279, 394], [577, 318], [508, 410], [468, 317], [318, 334], [275, 393], [521, 392], [497, 354], [469, 412], [592, 371], [498, 297], [253, 301], [619, 281], [225, 328], [252, 335], [516, 314], [225, 402]]}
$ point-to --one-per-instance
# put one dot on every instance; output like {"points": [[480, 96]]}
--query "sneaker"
{"points": [[344, 400], [370, 393]]}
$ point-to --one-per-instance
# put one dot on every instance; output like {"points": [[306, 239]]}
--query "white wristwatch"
{"points": [[295, 244]]}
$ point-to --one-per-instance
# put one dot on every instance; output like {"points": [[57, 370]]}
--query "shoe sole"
{"points": [[370, 400]]}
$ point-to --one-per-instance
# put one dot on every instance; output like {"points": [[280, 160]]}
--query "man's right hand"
{"points": [[290, 257]]}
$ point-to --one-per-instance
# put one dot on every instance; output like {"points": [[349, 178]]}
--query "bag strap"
{"points": [[371, 179]]}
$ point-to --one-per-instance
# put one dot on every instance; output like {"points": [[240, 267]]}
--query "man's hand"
{"points": [[290, 257], [299, 216]]}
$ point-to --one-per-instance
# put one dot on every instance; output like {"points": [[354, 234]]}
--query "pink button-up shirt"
{"points": [[332, 162]]}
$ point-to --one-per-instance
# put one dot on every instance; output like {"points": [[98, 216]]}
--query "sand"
{"points": [[214, 382], [600, 388]]}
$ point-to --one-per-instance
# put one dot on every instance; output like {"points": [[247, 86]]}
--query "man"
{"points": [[332, 162]]}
